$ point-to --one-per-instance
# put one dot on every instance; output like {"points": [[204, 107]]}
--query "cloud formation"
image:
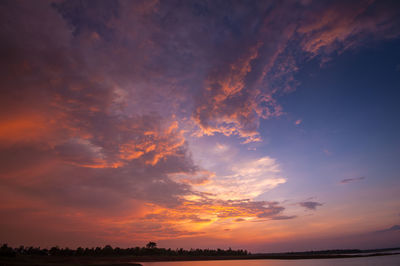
{"points": [[394, 228], [350, 180], [310, 205], [245, 180]]}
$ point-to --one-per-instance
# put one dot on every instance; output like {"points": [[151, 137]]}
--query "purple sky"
{"points": [[263, 125]]}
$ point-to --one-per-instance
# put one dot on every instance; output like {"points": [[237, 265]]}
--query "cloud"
{"points": [[310, 205], [298, 122], [206, 210], [283, 217], [236, 97], [199, 213], [226, 209], [327, 152], [245, 180], [88, 16], [230, 102], [394, 228], [350, 180], [78, 125], [339, 25]]}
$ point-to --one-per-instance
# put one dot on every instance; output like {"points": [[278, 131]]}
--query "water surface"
{"points": [[392, 260]]}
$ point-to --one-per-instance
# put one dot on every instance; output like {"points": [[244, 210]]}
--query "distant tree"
{"points": [[107, 250], [79, 251], [6, 251], [151, 245]]}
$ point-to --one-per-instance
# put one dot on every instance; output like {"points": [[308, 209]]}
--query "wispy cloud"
{"points": [[394, 228], [351, 180], [310, 205], [283, 217], [327, 152], [245, 180]]}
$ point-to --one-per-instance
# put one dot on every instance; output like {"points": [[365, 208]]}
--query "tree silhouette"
{"points": [[151, 245], [149, 250]]}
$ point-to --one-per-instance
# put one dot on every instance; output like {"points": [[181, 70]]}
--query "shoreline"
{"points": [[136, 261], [263, 257]]}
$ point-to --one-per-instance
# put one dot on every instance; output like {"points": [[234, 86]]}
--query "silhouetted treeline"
{"points": [[149, 250], [333, 251]]}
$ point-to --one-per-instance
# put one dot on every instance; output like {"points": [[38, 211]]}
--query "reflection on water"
{"points": [[393, 260]]}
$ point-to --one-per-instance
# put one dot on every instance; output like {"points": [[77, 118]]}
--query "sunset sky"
{"points": [[260, 125]]}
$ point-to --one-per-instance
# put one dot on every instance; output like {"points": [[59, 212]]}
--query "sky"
{"points": [[260, 125]]}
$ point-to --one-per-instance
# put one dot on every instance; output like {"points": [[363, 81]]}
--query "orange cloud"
{"points": [[340, 24], [199, 217], [158, 144], [228, 107], [26, 127]]}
